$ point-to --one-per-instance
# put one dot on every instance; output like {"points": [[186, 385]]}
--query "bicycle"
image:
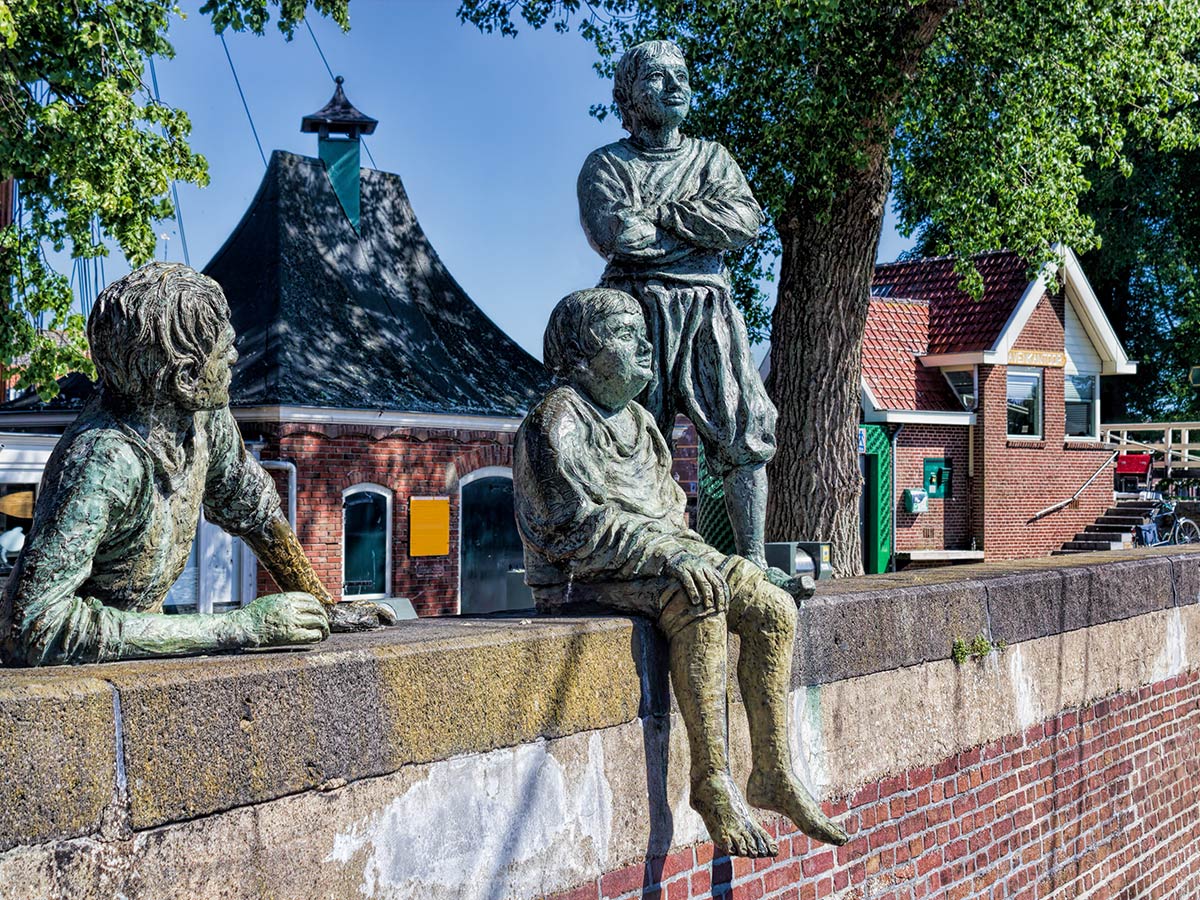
{"points": [[1181, 531]]}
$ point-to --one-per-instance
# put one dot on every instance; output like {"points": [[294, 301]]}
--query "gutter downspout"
{"points": [[895, 470], [290, 468]]}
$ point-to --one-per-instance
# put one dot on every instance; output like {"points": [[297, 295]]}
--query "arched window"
{"points": [[366, 541]]}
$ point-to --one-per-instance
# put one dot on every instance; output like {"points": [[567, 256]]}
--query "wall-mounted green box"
{"points": [[938, 477]]}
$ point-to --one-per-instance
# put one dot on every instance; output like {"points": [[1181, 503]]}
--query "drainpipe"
{"points": [[895, 470], [290, 468]]}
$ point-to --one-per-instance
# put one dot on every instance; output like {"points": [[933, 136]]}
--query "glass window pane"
{"points": [[184, 595], [962, 382], [1024, 404], [1080, 394], [364, 522]]}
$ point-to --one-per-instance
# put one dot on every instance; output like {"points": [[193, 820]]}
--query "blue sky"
{"points": [[488, 134]]}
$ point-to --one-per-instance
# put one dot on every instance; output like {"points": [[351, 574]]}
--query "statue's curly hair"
{"points": [[147, 326], [629, 67], [571, 338]]}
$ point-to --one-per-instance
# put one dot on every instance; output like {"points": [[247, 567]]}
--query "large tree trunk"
{"points": [[816, 352], [820, 314]]}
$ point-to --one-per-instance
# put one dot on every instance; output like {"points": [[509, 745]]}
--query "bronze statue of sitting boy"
{"points": [[121, 496], [602, 520]]}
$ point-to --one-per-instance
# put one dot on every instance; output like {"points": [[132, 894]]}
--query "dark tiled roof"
{"points": [[897, 333], [329, 317], [957, 322]]}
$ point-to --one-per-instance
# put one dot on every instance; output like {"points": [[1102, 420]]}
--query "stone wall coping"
{"points": [[154, 742]]}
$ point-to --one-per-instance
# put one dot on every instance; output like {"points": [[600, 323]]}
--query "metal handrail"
{"points": [[1075, 496]]}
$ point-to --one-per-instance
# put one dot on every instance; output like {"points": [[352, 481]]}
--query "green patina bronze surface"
{"points": [[602, 521], [122, 493], [663, 209]]}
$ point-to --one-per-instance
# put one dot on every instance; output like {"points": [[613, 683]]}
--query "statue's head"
{"points": [[162, 335], [596, 340], [651, 87]]}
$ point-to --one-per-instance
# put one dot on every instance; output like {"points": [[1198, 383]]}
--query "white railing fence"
{"points": [[1176, 444]]}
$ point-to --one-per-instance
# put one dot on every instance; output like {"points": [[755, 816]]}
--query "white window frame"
{"points": [[1094, 435], [1041, 403], [370, 487]]}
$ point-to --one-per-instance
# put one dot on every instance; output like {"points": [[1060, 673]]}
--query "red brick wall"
{"points": [[1096, 799], [411, 462], [1045, 329], [1018, 478], [947, 524]]}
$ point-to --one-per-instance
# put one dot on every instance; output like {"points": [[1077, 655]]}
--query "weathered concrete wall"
{"points": [[528, 757]]}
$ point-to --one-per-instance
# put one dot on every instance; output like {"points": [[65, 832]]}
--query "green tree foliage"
{"points": [[84, 139], [986, 118], [1146, 274]]}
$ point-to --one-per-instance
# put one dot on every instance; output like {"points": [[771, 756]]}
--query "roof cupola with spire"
{"points": [[336, 313], [338, 125]]}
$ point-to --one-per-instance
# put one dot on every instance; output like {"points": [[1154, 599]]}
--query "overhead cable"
{"points": [[245, 105], [174, 184], [333, 78]]}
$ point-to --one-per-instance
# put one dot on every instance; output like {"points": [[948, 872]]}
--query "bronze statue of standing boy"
{"points": [[663, 209], [121, 496], [602, 520]]}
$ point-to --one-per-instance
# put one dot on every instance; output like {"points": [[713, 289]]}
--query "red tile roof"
{"points": [[897, 333], [958, 323]]}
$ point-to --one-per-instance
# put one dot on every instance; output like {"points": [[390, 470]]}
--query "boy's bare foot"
{"points": [[729, 820], [782, 793]]}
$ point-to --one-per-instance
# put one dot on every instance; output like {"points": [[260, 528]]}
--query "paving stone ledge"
{"points": [[139, 745]]}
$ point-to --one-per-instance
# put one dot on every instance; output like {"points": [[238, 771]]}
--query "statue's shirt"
{"points": [[114, 526], [666, 214], [664, 219], [595, 501]]}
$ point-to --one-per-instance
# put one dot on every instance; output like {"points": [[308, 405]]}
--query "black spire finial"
{"points": [[338, 116]]}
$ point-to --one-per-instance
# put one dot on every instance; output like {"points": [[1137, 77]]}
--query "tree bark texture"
{"points": [[816, 364]]}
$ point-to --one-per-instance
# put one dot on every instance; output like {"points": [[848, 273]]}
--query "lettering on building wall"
{"points": [[1047, 359]]}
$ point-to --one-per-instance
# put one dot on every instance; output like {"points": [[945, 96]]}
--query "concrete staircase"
{"points": [[1112, 531]]}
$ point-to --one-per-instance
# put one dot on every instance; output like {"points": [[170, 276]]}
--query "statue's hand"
{"points": [[359, 615], [701, 581], [291, 618]]}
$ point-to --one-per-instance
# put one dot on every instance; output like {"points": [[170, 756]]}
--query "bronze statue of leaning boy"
{"points": [[121, 496], [602, 520]]}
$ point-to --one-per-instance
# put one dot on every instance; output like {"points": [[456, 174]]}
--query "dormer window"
{"points": [[962, 383]]}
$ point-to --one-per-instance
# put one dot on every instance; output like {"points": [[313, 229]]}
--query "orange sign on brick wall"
{"points": [[429, 526]]}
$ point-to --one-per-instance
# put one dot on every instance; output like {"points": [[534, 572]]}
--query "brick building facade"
{"points": [[366, 367], [1005, 390], [382, 399], [427, 462]]}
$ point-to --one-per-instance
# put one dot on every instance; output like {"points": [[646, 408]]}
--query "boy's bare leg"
{"points": [[767, 627], [746, 506], [698, 672]]}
